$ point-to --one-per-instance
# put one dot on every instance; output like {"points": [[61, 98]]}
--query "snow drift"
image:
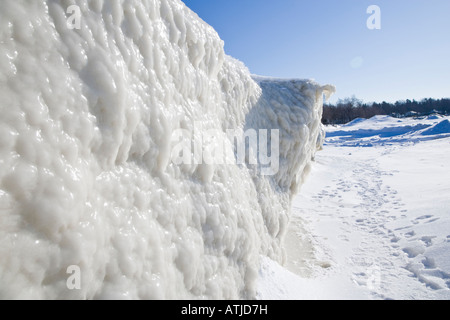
{"points": [[86, 177], [386, 130]]}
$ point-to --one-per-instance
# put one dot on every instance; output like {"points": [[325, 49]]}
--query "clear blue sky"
{"points": [[328, 40]]}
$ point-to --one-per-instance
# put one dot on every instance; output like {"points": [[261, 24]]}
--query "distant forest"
{"points": [[349, 109]]}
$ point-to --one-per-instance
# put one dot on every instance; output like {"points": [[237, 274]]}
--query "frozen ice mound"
{"points": [[86, 177]]}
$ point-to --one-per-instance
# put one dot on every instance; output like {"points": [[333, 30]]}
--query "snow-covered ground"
{"points": [[373, 219]]}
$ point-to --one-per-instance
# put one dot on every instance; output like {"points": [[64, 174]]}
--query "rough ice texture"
{"points": [[85, 141]]}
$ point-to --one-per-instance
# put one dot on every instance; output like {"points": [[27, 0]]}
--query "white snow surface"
{"points": [[373, 219], [86, 176]]}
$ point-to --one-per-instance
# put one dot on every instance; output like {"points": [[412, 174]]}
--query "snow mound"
{"points": [[386, 130], [440, 128], [355, 121], [88, 177]]}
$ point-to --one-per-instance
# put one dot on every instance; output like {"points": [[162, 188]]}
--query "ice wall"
{"points": [[86, 177]]}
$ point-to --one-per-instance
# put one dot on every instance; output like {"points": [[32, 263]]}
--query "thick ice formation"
{"points": [[86, 140]]}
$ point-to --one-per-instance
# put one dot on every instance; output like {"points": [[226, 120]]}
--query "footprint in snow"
{"points": [[395, 239], [414, 251], [428, 240], [421, 219], [429, 263], [410, 234], [424, 217]]}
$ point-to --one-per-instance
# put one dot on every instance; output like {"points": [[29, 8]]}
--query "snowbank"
{"points": [[386, 130], [441, 128], [87, 176]]}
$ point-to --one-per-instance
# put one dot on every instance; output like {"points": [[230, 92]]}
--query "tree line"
{"points": [[346, 110]]}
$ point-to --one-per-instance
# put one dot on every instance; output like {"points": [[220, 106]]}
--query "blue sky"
{"points": [[328, 40]]}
